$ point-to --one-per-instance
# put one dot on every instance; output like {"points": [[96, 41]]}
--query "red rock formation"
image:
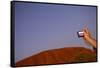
{"points": [[59, 56]]}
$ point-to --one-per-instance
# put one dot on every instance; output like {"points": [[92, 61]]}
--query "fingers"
{"points": [[85, 30]]}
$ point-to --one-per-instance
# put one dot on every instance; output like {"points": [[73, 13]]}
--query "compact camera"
{"points": [[80, 34]]}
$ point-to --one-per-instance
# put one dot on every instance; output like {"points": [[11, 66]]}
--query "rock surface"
{"points": [[59, 56]]}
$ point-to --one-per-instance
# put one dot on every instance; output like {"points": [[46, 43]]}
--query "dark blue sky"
{"points": [[40, 27]]}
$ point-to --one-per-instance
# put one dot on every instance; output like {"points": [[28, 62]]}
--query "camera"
{"points": [[80, 34]]}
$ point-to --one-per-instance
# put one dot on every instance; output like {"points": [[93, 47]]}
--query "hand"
{"points": [[88, 39], [86, 36]]}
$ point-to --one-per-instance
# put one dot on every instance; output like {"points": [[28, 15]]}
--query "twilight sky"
{"points": [[40, 27]]}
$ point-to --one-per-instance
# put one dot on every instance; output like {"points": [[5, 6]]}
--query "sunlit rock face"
{"points": [[60, 56]]}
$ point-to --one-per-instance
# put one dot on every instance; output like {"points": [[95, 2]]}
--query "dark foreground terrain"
{"points": [[59, 56]]}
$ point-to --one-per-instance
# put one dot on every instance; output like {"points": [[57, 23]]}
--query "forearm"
{"points": [[92, 42]]}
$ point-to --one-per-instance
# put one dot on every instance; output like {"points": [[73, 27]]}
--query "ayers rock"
{"points": [[59, 56]]}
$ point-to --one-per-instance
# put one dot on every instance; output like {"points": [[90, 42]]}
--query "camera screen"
{"points": [[80, 34]]}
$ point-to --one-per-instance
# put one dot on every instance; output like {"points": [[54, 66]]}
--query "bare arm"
{"points": [[87, 38]]}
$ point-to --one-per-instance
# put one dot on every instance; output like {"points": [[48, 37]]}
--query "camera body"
{"points": [[80, 34]]}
